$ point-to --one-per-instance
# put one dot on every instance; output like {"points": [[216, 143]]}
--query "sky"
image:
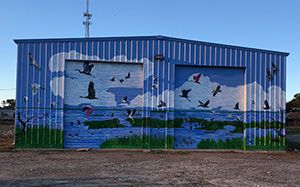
{"points": [[266, 24]]}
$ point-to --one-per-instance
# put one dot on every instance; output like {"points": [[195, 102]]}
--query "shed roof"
{"points": [[293, 116], [158, 37]]}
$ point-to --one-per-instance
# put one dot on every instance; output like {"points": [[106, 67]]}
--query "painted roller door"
{"points": [[209, 107], [100, 103]]}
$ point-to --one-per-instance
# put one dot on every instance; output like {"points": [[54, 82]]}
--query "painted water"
{"points": [[188, 135]]}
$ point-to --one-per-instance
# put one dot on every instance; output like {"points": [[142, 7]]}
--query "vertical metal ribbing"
{"points": [[39, 94], [225, 59], [259, 93], [160, 79], [164, 74], [115, 50], [210, 55], [49, 92], [235, 58], [216, 55], [18, 89], [200, 55], [179, 51], [26, 85], [108, 55], [220, 56], [190, 53], [184, 53], [255, 96], [204, 56], [230, 57], [195, 54]]}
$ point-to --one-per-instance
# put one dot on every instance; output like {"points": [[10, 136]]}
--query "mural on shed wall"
{"points": [[117, 105]]}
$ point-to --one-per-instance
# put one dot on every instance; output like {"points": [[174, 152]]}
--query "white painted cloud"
{"points": [[57, 86]]}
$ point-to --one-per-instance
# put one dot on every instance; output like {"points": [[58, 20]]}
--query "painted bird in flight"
{"points": [[216, 90], [124, 99], [184, 94], [127, 76], [269, 75], [88, 109], [274, 68], [266, 105], [204, 105], [162, 104], [91, 92], [87, 68], [33, 62], [35, 88], [131, 113], [197, 78], [236, 107]]}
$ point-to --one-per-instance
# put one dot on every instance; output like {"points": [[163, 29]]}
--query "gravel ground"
{"points": [[147, 168], [122, 168]]}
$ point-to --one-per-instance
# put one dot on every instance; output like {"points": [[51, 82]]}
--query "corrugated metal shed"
{"points": [[53, 109]]}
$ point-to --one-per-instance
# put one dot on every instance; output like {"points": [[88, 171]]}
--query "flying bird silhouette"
{"points": [[266, 105], [127, 76], [121, 81], [25, 98], [35, 88], [269, 75], [112, 79], [184, 94], [87, 68], [216, 90], [204, 105], [91, 92], [236, 107], [274, 68], [124, 100], [131, 113], [33, 62], [52, 104], [197, 78], [162, 104]]}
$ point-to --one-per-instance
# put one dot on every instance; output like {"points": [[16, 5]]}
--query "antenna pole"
{"points": [[87, 16]]}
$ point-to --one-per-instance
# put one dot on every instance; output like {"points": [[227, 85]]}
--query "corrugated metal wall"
{"points": [[40, 80]]}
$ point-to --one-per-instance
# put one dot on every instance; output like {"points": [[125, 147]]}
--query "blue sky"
{"points": [[268, 24]]}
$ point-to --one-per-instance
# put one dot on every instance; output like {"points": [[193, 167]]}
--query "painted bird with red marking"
{"points": [[196, 78], [88, 110]]}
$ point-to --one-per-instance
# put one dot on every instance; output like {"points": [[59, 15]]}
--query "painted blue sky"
{"points": [[268, 24]]}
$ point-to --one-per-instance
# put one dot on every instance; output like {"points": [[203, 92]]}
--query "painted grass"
{"points": [[41, 137], [265, 125], [268, 143], [113, 123], [235, 143], [138, 142]]}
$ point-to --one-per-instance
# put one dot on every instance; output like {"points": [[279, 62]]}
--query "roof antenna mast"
{"points": [[87, 16]]}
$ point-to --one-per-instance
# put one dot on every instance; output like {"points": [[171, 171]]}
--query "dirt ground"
{"points": [[6, 135], [147, 168], [125, 168]]}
